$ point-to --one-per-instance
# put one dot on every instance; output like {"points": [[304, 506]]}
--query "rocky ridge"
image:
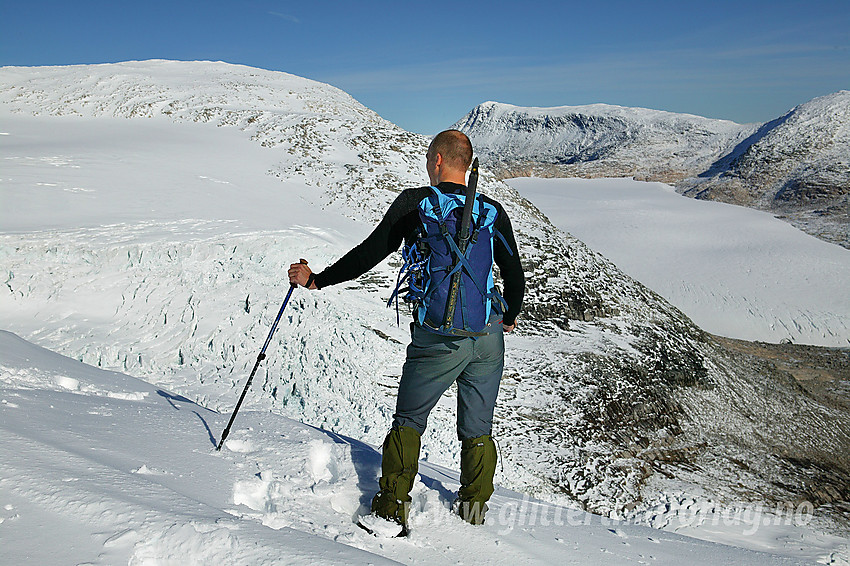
{"points": [[797, 166]]}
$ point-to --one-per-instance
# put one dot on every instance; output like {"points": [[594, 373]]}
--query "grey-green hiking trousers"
{"points": [[434, 362]]}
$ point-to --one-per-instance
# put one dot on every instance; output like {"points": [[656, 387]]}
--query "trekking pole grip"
{"points": [[304, 262]]}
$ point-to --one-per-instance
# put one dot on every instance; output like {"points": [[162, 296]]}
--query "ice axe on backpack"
{"points": [[463, 241], [260, 358]]}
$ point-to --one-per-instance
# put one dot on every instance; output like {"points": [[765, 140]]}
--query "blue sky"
{"points": [[424, 65]]}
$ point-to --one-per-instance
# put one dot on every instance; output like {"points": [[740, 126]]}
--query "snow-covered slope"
{"points": [[157, 206], [102, 468], [598, 140], [277, 110]]}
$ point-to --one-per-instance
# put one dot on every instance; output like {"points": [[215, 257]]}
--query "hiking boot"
{"points": [[399, 466], [477, 468], [382, 528]]}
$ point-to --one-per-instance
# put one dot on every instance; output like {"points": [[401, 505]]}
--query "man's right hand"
{"points": [[299, 274]]}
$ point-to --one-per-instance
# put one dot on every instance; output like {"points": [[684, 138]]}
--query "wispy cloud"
{"points": [[287, 17], [782, 50], [692, 80], [684, 69]]}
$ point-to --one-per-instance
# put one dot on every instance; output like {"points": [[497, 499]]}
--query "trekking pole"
{"points": [[260, 358]]}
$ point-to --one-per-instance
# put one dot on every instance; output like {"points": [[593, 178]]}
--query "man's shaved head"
{"points": [[455, 148]]}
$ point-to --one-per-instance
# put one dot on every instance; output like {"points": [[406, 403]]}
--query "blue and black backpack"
{"points": [[448, 268]]}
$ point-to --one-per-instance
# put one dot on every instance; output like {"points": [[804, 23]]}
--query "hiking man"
{"points": [[438, 356]]}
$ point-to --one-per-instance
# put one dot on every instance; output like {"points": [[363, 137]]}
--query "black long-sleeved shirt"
{"points": [[401, 222]]}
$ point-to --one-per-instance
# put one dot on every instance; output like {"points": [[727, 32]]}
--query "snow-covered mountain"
{"points": [[598, 140], [156, 206], [275, 109], [797, 165]]}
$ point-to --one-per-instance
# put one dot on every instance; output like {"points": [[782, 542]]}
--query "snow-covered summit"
{"points": [[598, 140], [329, 139], [190, 90], [646, 115]]}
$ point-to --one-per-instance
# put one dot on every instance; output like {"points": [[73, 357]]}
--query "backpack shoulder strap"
{"points": [[504, 242]]}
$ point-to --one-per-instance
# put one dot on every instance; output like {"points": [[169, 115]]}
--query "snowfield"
{"points": [[102, 468], [735, 271]]}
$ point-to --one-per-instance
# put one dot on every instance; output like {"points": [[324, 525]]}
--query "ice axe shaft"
{"points": [[260, 358], [462, 243]]}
